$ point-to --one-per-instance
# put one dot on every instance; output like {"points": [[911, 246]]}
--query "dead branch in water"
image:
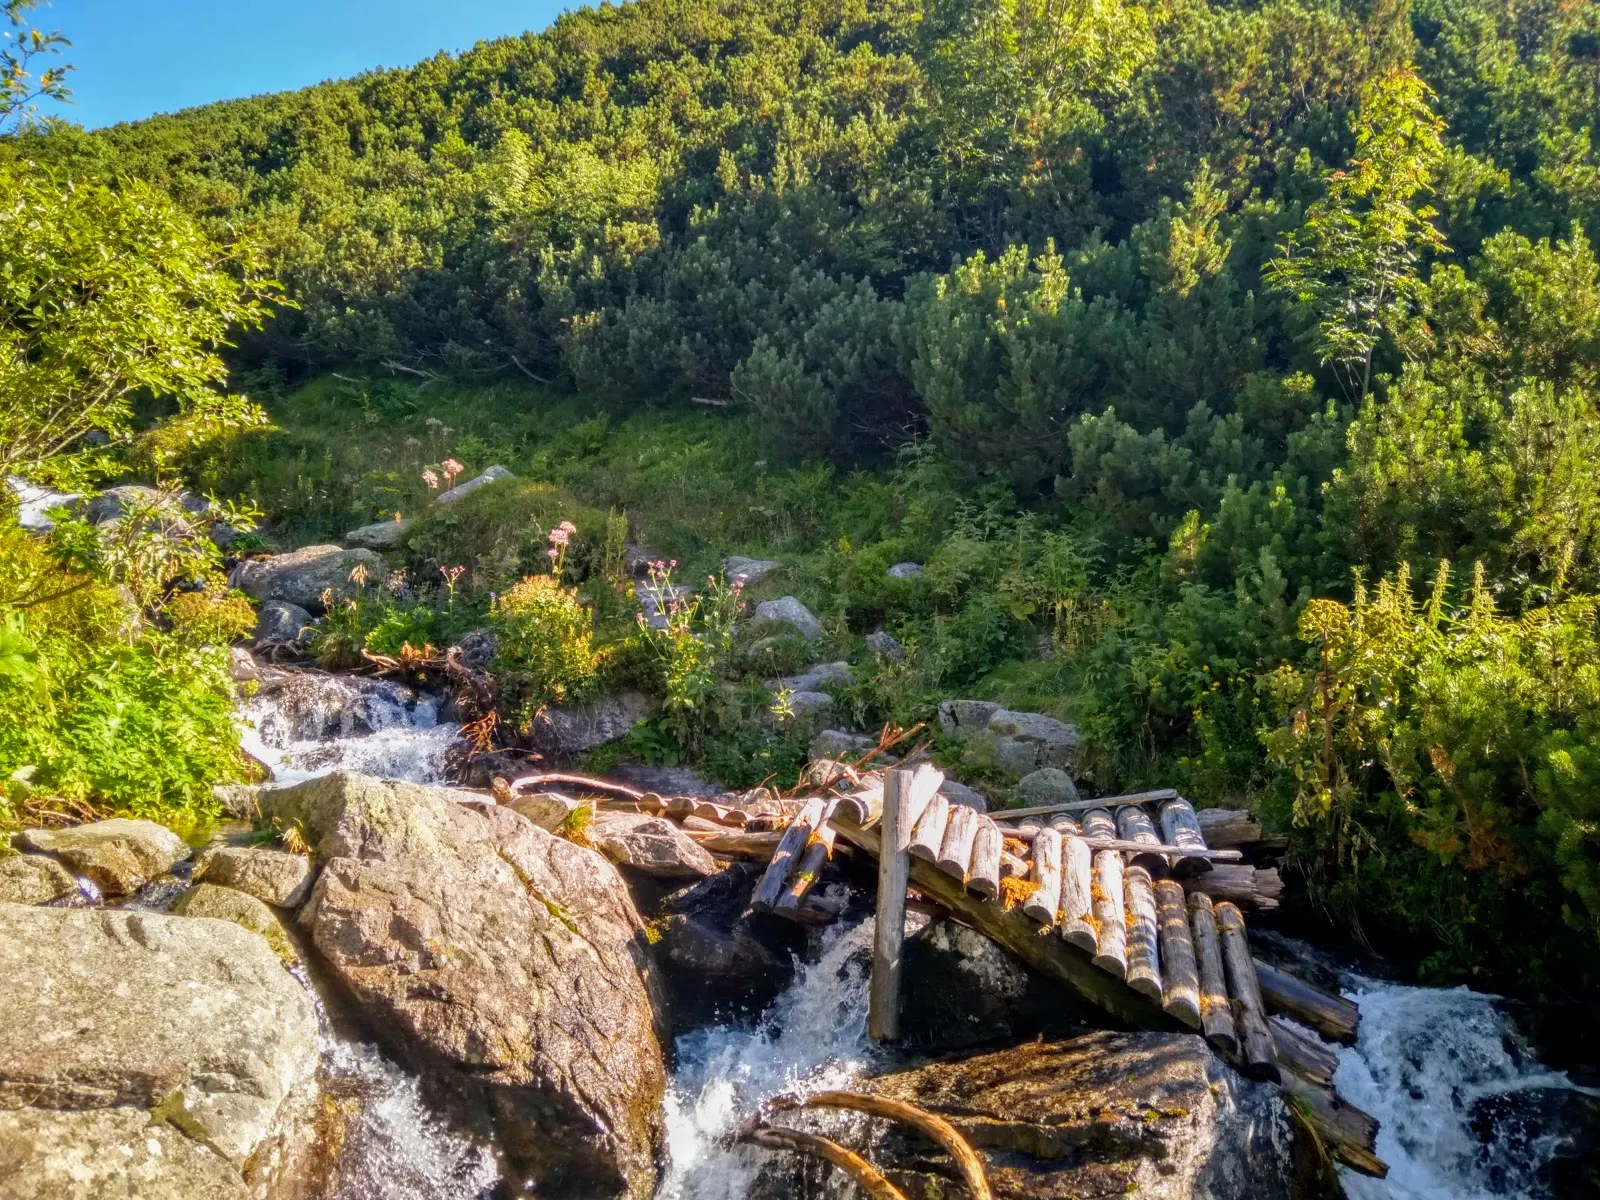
{"points": [[851, 1163]]}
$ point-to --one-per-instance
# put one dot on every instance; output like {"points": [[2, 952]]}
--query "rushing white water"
{"points": [[813, 1037], [1460, 1101], [308, 725]]}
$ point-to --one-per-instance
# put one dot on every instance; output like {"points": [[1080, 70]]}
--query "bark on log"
{"points": [[928, 836], [1350, 1135], [1250, 1014], [817, 852], [1043, 904], [1144, 960], [883, 1005], [1134, 825], [1012, 867], [758, 847], [955, 855], [1228, 827], [1099, 825], [926, 780], [1024, 833], [1063, 824], [1077, 894], [1181, 827], [1305, 1054], [1239, 883], [1216, 1013], [865, 805], [1078, 806], [936, 1127], [984, 874], [1111, 930], [1180, 978], [1334, 1017], [790, 846], [794, 1141]]}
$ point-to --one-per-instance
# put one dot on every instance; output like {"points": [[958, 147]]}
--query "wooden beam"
{"points": [[1070, 806], [1045, 899], [1180, 978], [1110, 920], [1181, 827], [1216, 1013], [1077, 893], [1334, 1017], [1250, 1014], [883, 1012]]}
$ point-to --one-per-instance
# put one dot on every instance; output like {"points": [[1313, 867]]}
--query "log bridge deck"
{"points": [[1110, 897]]}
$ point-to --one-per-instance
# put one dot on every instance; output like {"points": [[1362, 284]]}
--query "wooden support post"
{"points": [[928, 837], [1111, 930], [983, 877], [955, 854], [783, 860], [1144, 962], [1180, 979], [1045, 899], [1216, 1013], [1180, 827], [1255, 1039], [1334, 1017], [1077, 894], [894, 865]]}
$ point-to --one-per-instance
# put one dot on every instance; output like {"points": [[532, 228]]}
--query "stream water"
{"points": [[1467, 1111]]}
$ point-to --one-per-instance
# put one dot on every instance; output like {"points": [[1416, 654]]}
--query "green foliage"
{"points": [[19, 86], [546, 645]]}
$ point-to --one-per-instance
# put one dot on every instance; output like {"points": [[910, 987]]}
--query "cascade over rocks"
{"points": [[504, 958], [150, 1057], [116, 855]]}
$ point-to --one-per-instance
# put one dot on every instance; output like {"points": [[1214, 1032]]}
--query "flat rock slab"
{"points": [[547, 810], [652, 846], [380, 535], [462, 490], [302, 576], [34, 879], [736, 567], [567, 730], [273, 876], [116, 855], [181, 1041], [789, 611], [506, 959]]}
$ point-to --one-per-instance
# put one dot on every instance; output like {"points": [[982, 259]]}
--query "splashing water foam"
{"points": [[1457, 1098], [813, 1037]]}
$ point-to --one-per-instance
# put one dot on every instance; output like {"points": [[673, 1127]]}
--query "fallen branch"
{"points": [[848, 1161], [528, 783]]}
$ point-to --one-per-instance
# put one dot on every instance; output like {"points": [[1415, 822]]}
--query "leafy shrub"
{"points": [[546, 645]]}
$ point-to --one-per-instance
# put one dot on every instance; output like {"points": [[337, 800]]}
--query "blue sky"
{"points": [[137, 57]]}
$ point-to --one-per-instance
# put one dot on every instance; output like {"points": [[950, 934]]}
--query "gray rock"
{"points": [[1047, 785], [241, 666], [547, 810], [905, 570], [834, 744], [789, 611], [34, 503], [380, 535], [568, 730], [476, 650], [811, 705], [636, 559], [238, 800], [224, 535], [302, 576], [656, 602], [1025, 741], [277, 622], [113, 503], [509, 962], [150, 1056], [652, 846], [960, 719], [462, 490], [245, 911], [957, 792], [273, 876], [34, 879], [749, 569], [884, 646], [116, 855], [833, 674]]}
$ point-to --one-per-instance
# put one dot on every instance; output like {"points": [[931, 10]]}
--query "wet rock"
{"points": [[483, 769], [476, 650], [664, 781], [150, 1057], [652, 846], [789, 611], [833, 674], [34, 879], [309, 706], [34, 503], [278, 623], [568, 730], [1153, 1115], [960, 719], [1023, 742], [547, 810], [1048, 785], [116, 855], [243, 910], [272, 876], [905, 570], [463, 490], [241, 666], [957, 792], [884, 646], [503, 959], [835, 744], [735, 567], [380, 535], [300, 577]]}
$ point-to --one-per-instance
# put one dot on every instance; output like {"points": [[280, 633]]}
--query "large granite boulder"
{"points": [[652, 846], [380, 535], [1047, 785], [244, 910], [789, 611], [500, 957], [563, 731], [34, 879], [272, 876], [1024, 742], [111, 504], [279, 624], [301, 576], [960, 719], [150, 1057], [116, 855]]}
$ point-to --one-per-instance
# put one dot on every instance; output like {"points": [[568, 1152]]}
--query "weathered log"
{"points": [[1099, 825], [758, 847], [955, 855], [1228, 826], [1042, 905], [1111, 929], [1334, 1017], [983, 876], [722, 814], [1064, 824], [1303, 1053], [1072, 806], [926, 780], [1180, 827], [1249, 1013], [1144, 961], [1240, 883], [817, 852], [967, 1160], [1012, 867], [783, 859], [883, 1004], [927, 838], [1134, 825], [1350, 1135], [1216, 1013], [1159, 849], [1077, 894], [1020, 935], [794, 1141], [1180, 979], [865, 804]]}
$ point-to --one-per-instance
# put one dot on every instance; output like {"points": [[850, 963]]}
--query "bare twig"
{"points": [[851, 1163]]}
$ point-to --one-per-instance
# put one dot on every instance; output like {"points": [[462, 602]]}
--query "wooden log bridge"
{"points": [[1115, 899]]}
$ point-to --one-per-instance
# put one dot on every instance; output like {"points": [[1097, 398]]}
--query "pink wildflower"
{"points": [[567, 527], [430, 478], [559, 537], [451, 468], [553, 552]]}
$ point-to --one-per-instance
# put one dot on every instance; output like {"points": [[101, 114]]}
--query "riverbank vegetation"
{"points": [[1231, 369]]}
